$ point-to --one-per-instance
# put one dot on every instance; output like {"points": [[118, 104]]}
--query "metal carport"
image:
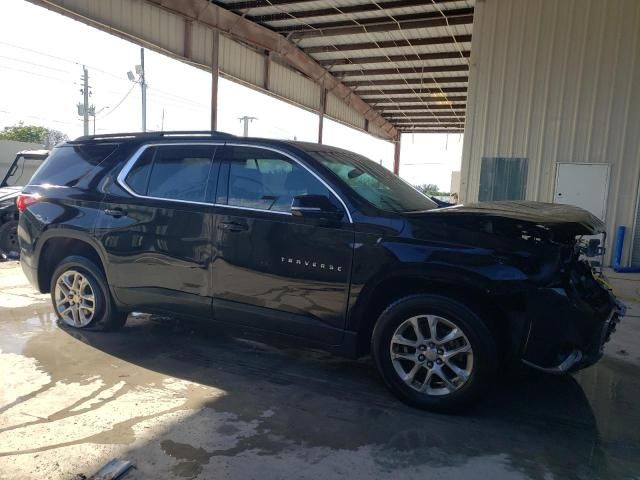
{"points": [[384, 67]]}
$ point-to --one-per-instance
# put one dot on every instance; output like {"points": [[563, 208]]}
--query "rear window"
{"points": [[69, 163]]}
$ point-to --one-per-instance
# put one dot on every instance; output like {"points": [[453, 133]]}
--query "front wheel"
{"points": [[433, 352], [81, 296]]}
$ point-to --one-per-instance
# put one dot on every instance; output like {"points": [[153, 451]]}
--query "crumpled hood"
{"points": [[567, 219], [7, 193]]}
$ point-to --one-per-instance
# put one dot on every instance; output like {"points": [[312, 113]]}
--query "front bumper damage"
{"points": [[568, 327]]}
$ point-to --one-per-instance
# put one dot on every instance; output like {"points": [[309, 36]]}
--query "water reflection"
{"points": [[534, 426]]}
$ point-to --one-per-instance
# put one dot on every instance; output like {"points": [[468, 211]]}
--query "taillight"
{"points": [[24, 200]]}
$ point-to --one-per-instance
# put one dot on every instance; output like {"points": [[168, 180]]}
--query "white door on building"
{"points": [[584, 185]]}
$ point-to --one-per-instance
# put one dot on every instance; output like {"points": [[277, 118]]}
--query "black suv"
{"points": [[318, 244]]}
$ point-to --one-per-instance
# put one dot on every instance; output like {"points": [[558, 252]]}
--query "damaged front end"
{"points": [[565, 311], [569, 321]]}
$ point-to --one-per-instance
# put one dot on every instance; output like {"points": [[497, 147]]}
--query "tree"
{"points": [[33, 134], [430, 189], [54, 137]]}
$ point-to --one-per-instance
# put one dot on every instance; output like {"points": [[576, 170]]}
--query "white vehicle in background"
{"points": [[14, 179]]}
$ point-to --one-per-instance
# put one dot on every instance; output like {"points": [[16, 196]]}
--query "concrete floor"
{"points": [[183, 403]]}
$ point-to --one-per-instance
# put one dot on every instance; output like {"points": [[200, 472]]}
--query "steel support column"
{"points": [[323, 108], [267, 70], [396, 155], [215, 70]]}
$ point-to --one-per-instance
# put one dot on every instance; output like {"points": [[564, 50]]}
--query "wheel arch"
{"points": [[375, 299], [55, 247]]}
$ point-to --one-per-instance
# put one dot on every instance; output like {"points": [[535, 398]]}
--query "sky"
{"points": [[41, 59]]}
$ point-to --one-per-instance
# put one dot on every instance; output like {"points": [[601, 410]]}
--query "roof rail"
{"points": [[163, 134]]}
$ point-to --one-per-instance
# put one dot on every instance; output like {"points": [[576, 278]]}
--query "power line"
{"points": [[34, 64], [45, 119], [119, 103], [62, 59], [14, 69]]}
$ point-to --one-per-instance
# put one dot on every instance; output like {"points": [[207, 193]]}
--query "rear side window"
{"points": [[69, 163], [174, 173]]}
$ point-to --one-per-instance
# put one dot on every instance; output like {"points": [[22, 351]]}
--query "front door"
{"points": [[273, 270], [156, 228]]}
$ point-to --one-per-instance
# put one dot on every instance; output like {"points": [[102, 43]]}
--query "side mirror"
{"points": [[315, 206]]}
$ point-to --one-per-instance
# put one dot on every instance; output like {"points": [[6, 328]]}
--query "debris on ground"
{"points": [[113, 470]]}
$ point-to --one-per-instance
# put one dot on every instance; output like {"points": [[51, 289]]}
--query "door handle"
{"points": [[115, 212], [233, 226]]}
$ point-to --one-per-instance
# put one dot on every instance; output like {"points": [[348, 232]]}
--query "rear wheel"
{"points": [[433, 352], [9, 239], [81, 296]]}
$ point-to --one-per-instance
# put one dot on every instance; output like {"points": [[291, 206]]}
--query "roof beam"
{"points": [[458, 125], [434, 126], [405, 81], [408, 101], [454, 54], [411, 42], [325, 12], [401, 71], [448, 109], [392, 110], [300, 29], [421, 106], [418, 108], [400, 122], [448, 130], [371, 94], [422, 116], [257, 3], [388, 26]]}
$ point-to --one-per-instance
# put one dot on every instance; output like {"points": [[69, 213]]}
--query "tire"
{"points": [[80, 278], [9, 239], [424, 386]]}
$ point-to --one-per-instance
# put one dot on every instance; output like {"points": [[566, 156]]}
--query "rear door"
{"points": [[156, 226], [274, 270]]}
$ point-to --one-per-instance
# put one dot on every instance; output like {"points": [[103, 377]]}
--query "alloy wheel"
{"points": [[75, 299], [431, 354]]}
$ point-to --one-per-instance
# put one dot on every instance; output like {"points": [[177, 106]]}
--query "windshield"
{"points": [[373, 182]]}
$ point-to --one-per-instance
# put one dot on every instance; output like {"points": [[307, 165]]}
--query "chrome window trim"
{"points": [[138, 153], [134, 158]]}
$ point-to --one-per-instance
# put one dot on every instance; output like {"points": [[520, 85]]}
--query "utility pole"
{"points": [[143, 86], [246, 121], [84, 109], [85, 92]]}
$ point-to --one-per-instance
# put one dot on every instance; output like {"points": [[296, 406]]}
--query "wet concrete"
{"points": [[196, 402]]}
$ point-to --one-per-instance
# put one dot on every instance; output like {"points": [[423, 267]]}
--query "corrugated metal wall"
{"points": [[158, 29], [557, 81]]}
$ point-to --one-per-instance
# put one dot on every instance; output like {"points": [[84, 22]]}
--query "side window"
{"points": [[173, 172], [138, 177], [266, 180]]}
